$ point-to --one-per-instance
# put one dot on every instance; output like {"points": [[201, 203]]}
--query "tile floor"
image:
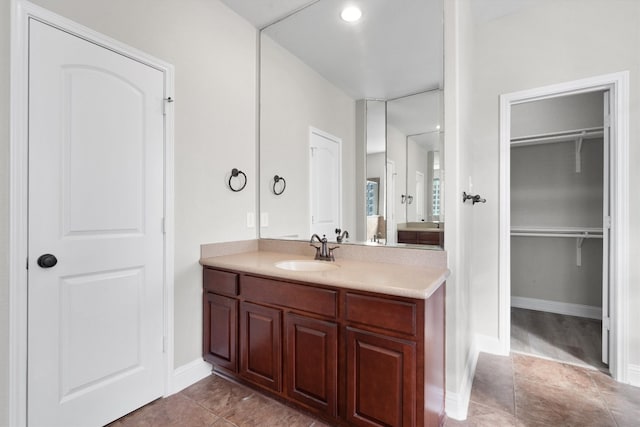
{"points": [[518, 390], [217, 402], [521, 390]]}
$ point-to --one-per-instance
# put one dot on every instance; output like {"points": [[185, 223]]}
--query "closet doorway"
{"points": [[562, 223]]}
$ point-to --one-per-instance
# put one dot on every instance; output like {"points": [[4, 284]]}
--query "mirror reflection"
{"points": [[415, 152], [351, 114]]}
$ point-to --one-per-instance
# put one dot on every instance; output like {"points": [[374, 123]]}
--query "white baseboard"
{"points": [[633, 374], [579, 310], [457, 404], [189, 374], [491, 345]]}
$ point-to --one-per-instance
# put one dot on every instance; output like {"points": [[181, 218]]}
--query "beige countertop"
{"points": [[392, 279]]}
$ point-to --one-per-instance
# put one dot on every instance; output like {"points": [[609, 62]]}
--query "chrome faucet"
{"points": [[341, 237], [323, 252]]}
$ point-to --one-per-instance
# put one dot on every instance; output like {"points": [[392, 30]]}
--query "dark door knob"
{"points": [[47, 260]]}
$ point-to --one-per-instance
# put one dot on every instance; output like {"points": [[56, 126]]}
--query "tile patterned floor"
{"points": [[525, 391], [518, 391], [217, 402]]}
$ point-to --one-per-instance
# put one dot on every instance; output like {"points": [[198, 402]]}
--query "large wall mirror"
{"points": [[351, 123]]}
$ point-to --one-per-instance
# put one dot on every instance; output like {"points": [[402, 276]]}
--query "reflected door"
{"points": [[326, 183], [95, 321]]}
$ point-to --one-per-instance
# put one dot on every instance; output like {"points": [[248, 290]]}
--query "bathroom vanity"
{"points": [[349, 342]]}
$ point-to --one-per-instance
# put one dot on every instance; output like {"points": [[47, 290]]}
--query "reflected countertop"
{"points": [[392, 279]]}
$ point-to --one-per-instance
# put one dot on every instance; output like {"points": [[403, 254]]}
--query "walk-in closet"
{"points": [[559, 212]]}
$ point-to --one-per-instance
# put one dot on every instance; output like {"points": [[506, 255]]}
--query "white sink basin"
{"points": [[306, 265]]}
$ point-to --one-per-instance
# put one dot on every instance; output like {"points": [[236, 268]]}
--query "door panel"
{"points": [[220, 330], [261, 345], [326, 183], [98, 198], [96, 185], [381, 380], [312, 362]]}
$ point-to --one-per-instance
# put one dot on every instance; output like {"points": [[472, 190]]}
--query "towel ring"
{"points": [[235, 173], [277, 179]]}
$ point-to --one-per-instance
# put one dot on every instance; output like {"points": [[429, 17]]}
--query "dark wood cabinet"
{"points": [[261, 345], [381, 380], [351, 357], [312, 362], [415, 237], [220, 318], [220, 330]]}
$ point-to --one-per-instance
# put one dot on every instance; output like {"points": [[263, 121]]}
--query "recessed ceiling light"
{"points": [[351, 14]]}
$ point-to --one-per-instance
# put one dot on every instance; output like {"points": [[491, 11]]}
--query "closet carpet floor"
{"points": [[520, 390], [569, 339]]}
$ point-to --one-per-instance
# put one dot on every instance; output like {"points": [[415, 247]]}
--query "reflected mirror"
{"points": [[349, 116]]}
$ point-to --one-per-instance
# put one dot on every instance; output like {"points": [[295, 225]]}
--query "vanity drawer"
{"points": [[405, 236], [220, 282], [300, 297], [389, 314], [428, 238]]}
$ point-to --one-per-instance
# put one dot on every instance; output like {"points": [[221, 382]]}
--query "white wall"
{"points": [[559, 114], [4, 211], [294, 97], [458, 140], [213, 51], [541, 44]]}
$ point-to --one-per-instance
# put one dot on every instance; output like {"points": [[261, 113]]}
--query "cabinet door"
{"points": [[261, 345], [311, 371], [381, 380], [220, 330]]}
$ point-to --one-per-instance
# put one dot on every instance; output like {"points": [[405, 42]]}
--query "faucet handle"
{"points": [[333, 258], [317, 248]]}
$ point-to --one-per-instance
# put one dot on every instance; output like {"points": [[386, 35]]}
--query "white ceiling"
{"points": [[395, 49]]}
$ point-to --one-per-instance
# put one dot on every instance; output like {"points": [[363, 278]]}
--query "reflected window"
{"points": [[436, 197], [372, 197]]}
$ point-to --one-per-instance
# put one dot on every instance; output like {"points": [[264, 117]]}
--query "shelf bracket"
{"points": [[579, 151], [579, 242]]}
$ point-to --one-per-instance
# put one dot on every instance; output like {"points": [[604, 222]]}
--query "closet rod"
{"points": [[574, 235], [565, 230], [549, 138]]}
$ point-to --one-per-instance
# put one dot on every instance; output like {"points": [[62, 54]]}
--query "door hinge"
{"points": [[164, 105], [606, 323], [27, 263], [164, 344], [164, 226], [607, 222], [607, 120]]}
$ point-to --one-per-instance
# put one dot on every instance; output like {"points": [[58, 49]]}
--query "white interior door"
{"points": [[392, 225], [95, 322], [419, 196], [325, 183], [606, 229]]}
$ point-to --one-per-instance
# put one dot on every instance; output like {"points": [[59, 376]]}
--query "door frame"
{"points": [[338, 141], [618, 85], [21, 12]]}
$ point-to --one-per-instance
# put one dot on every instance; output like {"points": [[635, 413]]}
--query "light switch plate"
{"points": [[264, 219], [251, 220]]}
